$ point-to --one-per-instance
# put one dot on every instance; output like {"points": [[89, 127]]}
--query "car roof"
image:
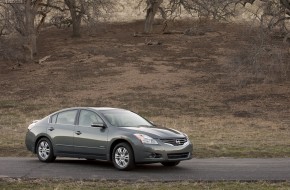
{"points": [[102, 108], [89, 108], [94, 108]]}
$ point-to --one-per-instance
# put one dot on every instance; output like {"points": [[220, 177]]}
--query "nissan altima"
{"points": [[110, 134]]}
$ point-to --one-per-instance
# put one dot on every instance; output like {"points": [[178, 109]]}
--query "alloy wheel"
{"points": [[122, 157], [43, 150]]}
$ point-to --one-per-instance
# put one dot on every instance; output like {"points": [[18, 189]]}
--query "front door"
{"points": [[90, 142]]}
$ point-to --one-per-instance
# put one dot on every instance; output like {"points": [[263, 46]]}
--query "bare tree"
{"points": [[3, 20], [77, 11], [98, 11], [27, 16], [21, 17], [276, 12], [214, 9], [152, 7], [86, 9], [273, 14]]}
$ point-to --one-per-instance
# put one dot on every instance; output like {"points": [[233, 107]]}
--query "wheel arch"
{"points": [[40, 137], [118, 141]]}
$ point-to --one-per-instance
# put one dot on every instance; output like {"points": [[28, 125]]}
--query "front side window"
{"points": [[66, 117], [87, 118]]}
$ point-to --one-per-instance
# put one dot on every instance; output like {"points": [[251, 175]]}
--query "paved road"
{"points": [[195, 169]]}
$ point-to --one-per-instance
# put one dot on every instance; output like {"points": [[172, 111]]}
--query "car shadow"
{"points": [[84, 163], [156, 167]]}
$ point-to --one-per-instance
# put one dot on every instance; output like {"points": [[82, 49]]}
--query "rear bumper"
{"points": [[30, 141], [162, 153]]}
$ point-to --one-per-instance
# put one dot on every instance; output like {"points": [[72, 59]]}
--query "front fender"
{"points": [[129, 138]]}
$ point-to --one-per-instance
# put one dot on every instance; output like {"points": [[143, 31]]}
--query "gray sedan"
{"points": [[108, 134]]}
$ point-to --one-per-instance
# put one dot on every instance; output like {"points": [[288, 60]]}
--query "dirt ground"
{"points": [[226, 85]]}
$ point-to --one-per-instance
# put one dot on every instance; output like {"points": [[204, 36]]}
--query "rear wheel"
{"points": [[44, 150], [170, 164], [123, 157]]}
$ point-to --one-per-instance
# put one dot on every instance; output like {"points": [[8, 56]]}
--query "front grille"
{"points": [[178, 155], [175, 142]]}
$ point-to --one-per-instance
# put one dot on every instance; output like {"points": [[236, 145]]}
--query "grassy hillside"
{"points": [[225, 85]]}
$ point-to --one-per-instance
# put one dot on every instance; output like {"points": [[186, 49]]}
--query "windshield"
{"points": [[124, 118]]}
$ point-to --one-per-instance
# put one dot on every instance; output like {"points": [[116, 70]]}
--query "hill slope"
{"points": [[226, 85]]}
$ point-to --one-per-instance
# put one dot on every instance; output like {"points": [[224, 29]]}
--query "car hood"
{"points": [[154, 132]]}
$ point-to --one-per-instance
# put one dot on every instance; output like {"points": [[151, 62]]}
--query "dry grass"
{"points": [[233, 137], [188, 82], [12, 184]]}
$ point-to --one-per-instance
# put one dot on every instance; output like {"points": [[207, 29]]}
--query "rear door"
{"points": [[90, 142], [61, 131]]}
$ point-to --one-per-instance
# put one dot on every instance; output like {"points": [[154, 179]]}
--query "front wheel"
{"points": [[44, 150], [170, 164], [123, 157]]}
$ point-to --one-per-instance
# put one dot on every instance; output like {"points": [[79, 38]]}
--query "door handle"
{"points": [[51, 129], [78, 132]]}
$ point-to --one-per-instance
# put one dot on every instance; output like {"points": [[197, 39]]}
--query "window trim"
{"points": [[50, 118], [79, 114], [57, 114]]}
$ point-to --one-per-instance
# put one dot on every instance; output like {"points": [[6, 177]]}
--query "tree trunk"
{"points": [[76, 26], [30, 31], [152, 8], [76, 17]]}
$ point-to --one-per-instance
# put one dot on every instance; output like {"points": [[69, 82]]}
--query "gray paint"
{"points": [[96, 142]]}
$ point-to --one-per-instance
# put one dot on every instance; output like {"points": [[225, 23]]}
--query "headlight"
{"points": [[145, 139]]}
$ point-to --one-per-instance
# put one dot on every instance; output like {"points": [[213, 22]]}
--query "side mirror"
{"points": [[102, 125]]}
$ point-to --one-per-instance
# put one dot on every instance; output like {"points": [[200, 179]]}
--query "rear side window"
{"points": [[53, 118], [67, 117]]}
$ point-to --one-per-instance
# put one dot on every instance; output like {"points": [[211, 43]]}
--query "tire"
{"points": [[44, 150], [170, 164], [123, 157]]}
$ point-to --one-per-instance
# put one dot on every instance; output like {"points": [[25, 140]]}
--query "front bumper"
{"points": [[162, 153]]}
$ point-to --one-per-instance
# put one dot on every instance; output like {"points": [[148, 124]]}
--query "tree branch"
{"points": [[285, 3], [54, 7]]}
